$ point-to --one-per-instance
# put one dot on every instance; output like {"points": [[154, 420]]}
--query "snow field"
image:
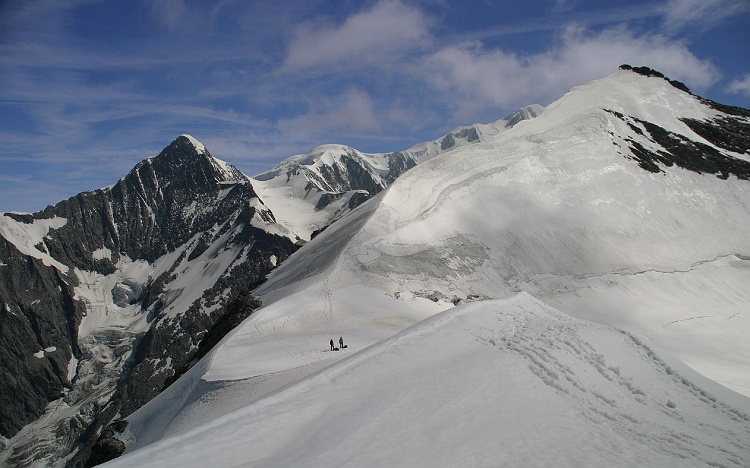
{"points": [[283, 342], [706, 304], [296, 331], [497, 383], [554, 210]]}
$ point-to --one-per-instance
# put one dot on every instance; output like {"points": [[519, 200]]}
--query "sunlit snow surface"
{"points": [[554, 209], [551, 213], [25, 237], [498, 383]]}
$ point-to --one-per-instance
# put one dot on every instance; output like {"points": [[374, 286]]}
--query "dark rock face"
{"points": [[728, 133], [348, 173], [398, 163], [143, 215], [38, 336], [449, 141], [182, 200], [646, 71]]}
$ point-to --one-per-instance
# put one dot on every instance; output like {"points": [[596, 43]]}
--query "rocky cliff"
{"points": [[106, 296]]}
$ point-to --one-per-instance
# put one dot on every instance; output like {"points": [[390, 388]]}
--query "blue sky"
{"points": [[88, 87]]}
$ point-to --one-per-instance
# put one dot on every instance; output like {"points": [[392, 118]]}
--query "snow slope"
{"points": [[25, 237], [286, 342], [556, 207], [498, 383], [568, 257]]}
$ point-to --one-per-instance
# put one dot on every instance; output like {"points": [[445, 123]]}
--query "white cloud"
{"points": [[351, 112], [740, 86], [483, 78], [601, 53], [390, 27], [701, 14]]}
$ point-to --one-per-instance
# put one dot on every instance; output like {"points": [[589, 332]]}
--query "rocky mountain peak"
{"points": [[650, 72], [187, 161]]}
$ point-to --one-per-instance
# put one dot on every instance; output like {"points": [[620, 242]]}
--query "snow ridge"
{"points": [[310, 191], [510, 381]]}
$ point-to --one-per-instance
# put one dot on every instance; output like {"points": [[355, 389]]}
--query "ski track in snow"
{"points": [[685, 320], [546, 348]]}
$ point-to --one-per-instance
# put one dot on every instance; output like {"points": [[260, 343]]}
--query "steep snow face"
{"points": [[558, 195], [561, 207], [500, 383], [28, 237]]}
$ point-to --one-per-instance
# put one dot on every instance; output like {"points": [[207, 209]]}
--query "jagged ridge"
{"points": [[181, 208]]}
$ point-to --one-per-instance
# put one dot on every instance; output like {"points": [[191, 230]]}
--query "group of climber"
{"points": [[341, 344]]}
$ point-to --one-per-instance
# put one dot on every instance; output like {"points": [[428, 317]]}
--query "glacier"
{"points": [[538, 297]]}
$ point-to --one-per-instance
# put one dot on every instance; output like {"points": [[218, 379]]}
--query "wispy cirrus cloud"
{"points": [[350, 112], [90, 87], [563, 15], [701, 14], [171, 13], [740, 85], [385, 31]]}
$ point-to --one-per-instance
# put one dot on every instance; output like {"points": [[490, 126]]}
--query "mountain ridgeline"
{"points": [[108, 297], [182, 209], [461, 290]]}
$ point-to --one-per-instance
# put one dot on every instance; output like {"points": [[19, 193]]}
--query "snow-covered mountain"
{"points": [[132, 283], [107, 297], [518, 301], [522, 295], [310, 191]]}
